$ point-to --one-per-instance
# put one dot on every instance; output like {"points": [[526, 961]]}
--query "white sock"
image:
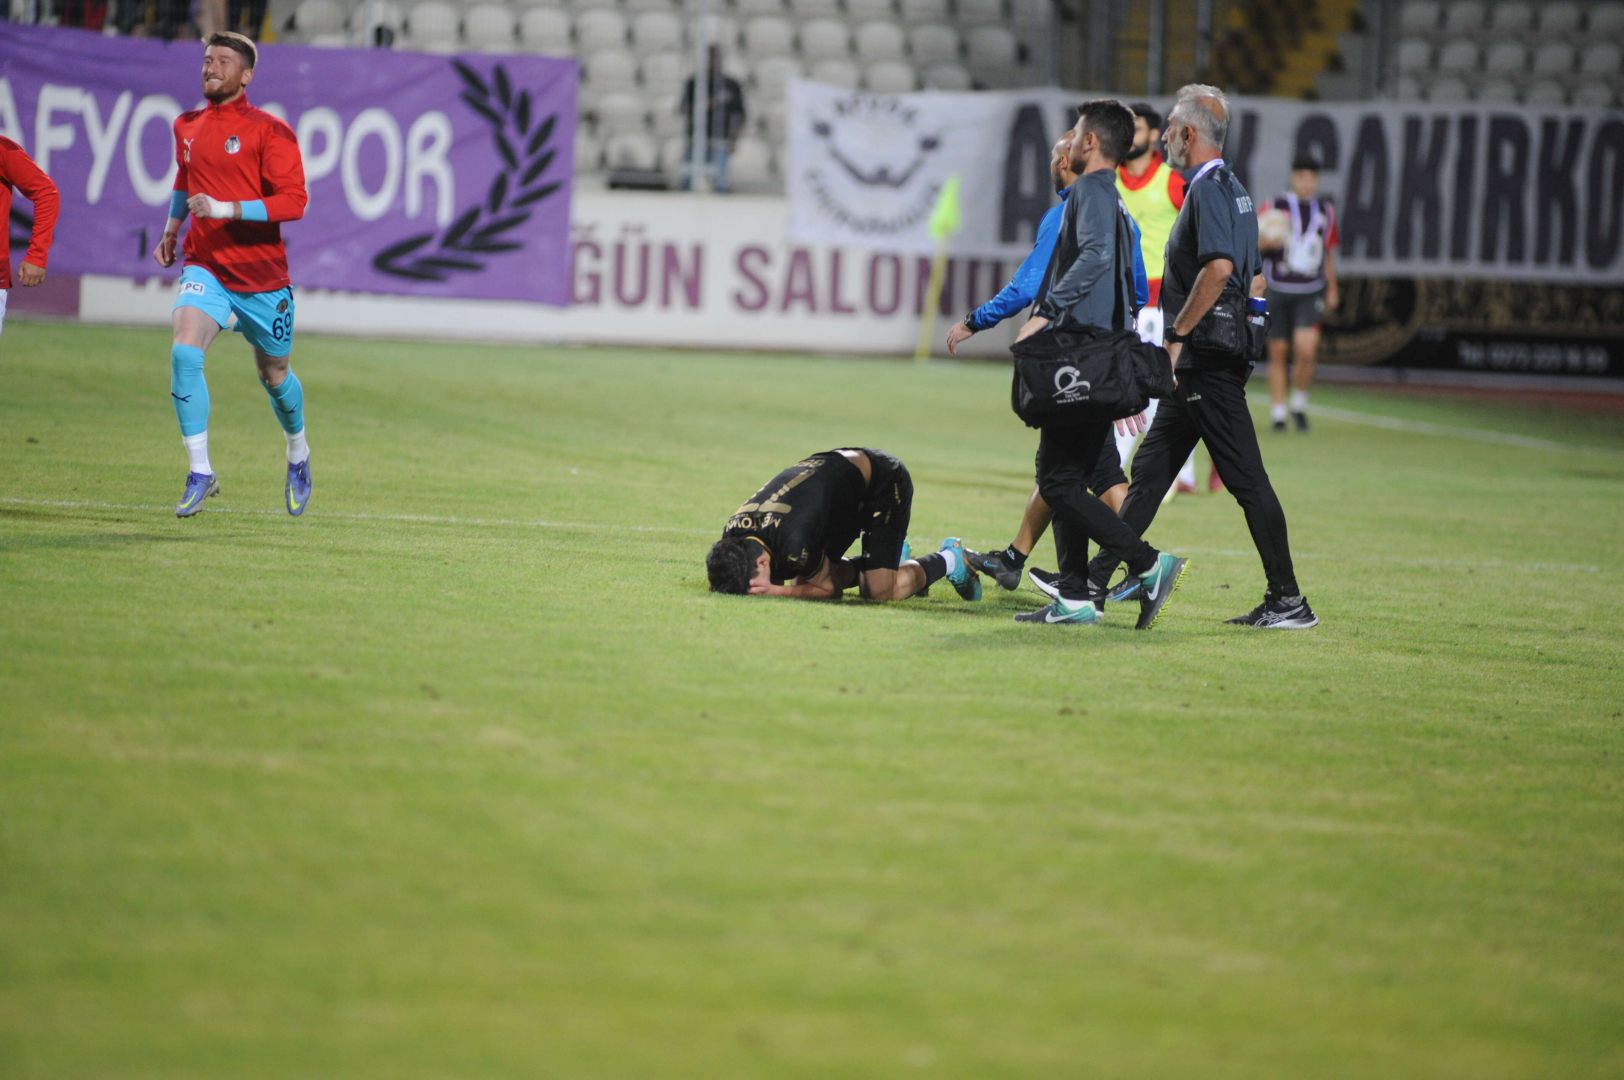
{"points": [[197, 452], [1187, 474], [1277, 413], [1299, 401], [298, 449], [951, 557]]}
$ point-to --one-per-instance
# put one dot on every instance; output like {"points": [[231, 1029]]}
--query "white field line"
{"points": [[429, 519], [1422, 427]]}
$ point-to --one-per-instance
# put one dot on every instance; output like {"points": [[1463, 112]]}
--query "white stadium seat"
{"points": [[769, 35], [1414, 54], [1497, 90], [632, 152], [610, 69], [772, 74], [637, 7], [749, 8], [545, 30], [1511, 17], [1553, 58], [620, 112], [919, 11], [1506, 58], [1464, 16], [980, 12], [1561, 17], [665, 114], [841, 73], [588, 151], [823, 39], [891, 77], [1603, 58], [588, 5], [489, 27], [664, 72], [1606, 19], [990, 47], [721, 30], [1458, 57], [864, 10], [880, 41], [949, 77], [1545, 92], [656, 31], [750, 162], [673, 154], [1407, 88], [598, 29], [1448, 88], [1419, 16], [775, 120], [315, 17], [933, 43], [815, 9], [1596, 95], [331, 41], [433, 26]]}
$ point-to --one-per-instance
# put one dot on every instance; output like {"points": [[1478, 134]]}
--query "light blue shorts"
{"points": [[264, 318]]}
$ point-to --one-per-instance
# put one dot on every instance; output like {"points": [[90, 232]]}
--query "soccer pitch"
{"points": [[465, 774]]}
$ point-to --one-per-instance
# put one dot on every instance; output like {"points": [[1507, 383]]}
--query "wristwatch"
{"points": [[1173, 337]]}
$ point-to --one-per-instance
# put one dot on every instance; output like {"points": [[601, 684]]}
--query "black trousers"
{"points": [[1209, 407], [1068, 455]]}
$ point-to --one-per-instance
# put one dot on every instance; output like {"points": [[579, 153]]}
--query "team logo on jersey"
{"points": [[232, 145], [281, 307], [188, 143]]}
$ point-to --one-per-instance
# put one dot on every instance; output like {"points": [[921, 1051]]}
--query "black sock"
{"points": [[935, 567], [1015, 558]]}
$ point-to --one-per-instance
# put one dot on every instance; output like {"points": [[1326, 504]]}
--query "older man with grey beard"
{"points": [[1211, 251]]}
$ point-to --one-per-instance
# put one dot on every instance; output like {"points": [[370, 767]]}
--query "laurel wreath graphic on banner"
{"points": [[480, 231]]}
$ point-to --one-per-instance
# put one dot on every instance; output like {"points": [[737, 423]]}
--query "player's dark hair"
{"points": [[1112, 123], [1147, 112], [731, 564], [1305, 163], [242, 46]]}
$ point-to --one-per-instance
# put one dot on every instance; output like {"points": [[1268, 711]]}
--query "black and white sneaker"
{"points": [[1301, 420], [995, 565], [1049, 585], [1285, 613], [1044, 582]]}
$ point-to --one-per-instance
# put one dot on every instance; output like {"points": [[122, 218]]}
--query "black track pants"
{"points": [[1067, 456], [1209, 407]]}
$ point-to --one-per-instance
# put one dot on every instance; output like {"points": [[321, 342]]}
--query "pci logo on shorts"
{"points": [[232, 145], [1070, 386]]}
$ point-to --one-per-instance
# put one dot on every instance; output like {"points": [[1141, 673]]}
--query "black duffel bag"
{"points": [[1086, 373]]}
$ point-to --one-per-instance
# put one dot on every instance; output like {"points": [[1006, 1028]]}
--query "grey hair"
{"points": [[1205, 108]]}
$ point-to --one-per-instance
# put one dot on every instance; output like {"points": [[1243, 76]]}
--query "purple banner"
{"points": [[431, 175]]}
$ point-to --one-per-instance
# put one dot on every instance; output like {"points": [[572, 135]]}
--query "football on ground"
{"points": [[465, 773]]}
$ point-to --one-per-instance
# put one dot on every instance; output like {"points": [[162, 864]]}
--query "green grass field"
{"points": [[464, 773]]}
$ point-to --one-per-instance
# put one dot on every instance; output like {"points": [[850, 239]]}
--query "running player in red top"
{"points": [[17, 170], [240, 174]]}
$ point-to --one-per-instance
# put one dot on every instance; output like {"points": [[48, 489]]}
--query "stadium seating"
{"points": [[1512, 17], [620, 112], [432, 27], [890, 77], [775, 121], [980, 12], [632, 152], [545, 30], [748, 8], [665, 115], [1458, 57], [1595, 94], [317, 18], [588, 151], [1414, 55], [933, 43], [815, 9], [1601, 59], [750, 164], [825, 39], [769, 35], [880, 41], [1506, 58], [664, 72], [1498, 90], [1561, 17], [610, 69], [990, 47], [770, 75], [836, 72], [1448, 88], [1606, 19], [948, 77], [923, 11], [1545, 92], [490, 27], [637, 7], [1420, 16], [1464, 17], [656, 31], [867, 10]]}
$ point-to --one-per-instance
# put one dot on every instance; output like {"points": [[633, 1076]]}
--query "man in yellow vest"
{"points": [[1153, 192]]}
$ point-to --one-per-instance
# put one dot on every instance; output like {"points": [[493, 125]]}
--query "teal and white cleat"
{"points": [[907, 553], [199, 486], [963, 579], [1156, 587], [1081, 614]]}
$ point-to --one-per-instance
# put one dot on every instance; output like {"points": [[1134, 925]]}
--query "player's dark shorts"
{"points": [[886, 509], [1292, 311]]}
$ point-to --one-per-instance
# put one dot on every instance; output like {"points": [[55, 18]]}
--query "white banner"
{"points": [[1422, 190]]}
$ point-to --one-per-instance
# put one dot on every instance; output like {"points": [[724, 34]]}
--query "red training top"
{"points": [[237, 153], [17, 170]]}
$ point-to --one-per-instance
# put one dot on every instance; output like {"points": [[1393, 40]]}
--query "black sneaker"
{"points": [[1046, 583], [1049, 585], [1278, 427], [1301, 419], [1287, 613], [997, 566]]}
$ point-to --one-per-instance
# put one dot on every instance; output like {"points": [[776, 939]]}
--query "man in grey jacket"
{"points": [[1090, 286]]}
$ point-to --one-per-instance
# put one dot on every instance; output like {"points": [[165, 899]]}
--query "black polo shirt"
{"points": [[1216, 222]]}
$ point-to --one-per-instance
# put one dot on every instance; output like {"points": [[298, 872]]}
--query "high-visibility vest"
{"points": [[1152, 205]]}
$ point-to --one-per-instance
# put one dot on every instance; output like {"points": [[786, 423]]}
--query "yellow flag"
{"points": [[945, 219]]}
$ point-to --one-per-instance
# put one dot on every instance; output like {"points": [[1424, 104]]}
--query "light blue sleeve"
{"points": [[254, 210], [1141, 280], [1023, 287], [177, 205]]}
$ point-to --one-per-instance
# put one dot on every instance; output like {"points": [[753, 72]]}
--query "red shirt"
{"points": [[17, 170], [237, 153]]}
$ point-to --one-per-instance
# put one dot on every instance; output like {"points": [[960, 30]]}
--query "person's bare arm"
{"points": [[1259, 286], [1208, 284], [818, 586], [1333, 294]]}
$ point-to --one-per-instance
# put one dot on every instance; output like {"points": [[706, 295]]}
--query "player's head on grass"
{"points": [[228, 66], [1103, 134], [733, 564], [1147, 130], [1305, 175]]}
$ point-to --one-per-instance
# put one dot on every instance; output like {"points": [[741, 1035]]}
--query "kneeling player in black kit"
{"points": [[790, 539]]}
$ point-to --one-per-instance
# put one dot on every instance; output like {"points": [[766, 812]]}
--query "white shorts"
{"points": [[3, 294]]}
